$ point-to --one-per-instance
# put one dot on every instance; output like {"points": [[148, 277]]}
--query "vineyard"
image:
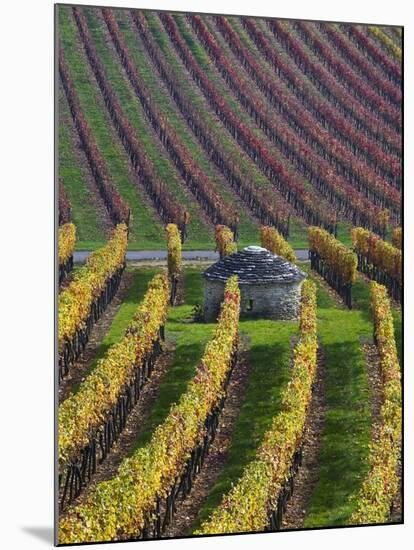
{"points": [[184, 133]]}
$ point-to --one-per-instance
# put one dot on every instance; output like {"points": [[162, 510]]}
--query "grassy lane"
{"points": [[189, 340], [90, 231], [141, 278], [146, 229], [248, 228], [268, 358], [200, 234], [347, 430]]}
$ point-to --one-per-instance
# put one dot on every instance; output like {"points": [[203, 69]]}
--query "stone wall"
{"points": [[272, 301]]}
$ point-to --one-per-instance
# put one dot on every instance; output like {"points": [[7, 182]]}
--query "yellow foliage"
{"points": [[66, 242], [118, 507], [273, 241]]}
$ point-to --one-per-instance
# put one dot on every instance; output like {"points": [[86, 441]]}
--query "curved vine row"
{"points": [[199, 184], [334, 261], [386, 41], [389, 140], [359, 63], [296, 150], [173, 258], [343, 156], [330, 87], [364, 42], [263, 202], [379, 260], [66, 247], [167, 206], [64, 205], [83, 412], [291, 189]]}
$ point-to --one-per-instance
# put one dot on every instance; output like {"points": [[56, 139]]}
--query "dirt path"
{"points": [[307, 475], [77, 370], [187, 510]]}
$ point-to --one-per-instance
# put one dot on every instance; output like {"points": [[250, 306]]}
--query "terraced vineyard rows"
{"points": [[261, 393]]}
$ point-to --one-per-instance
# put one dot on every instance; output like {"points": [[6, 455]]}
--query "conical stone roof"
{"points": [[254, 265]]}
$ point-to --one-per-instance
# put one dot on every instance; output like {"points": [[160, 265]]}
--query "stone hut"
{"points": [[270, 286]]}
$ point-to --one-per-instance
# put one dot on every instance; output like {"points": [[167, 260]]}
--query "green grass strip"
{"points": [[347, 430], [269, 371], [189, 339]]}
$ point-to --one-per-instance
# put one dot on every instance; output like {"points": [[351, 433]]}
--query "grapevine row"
{"points": [[296, 150], [374, 500], [341, 70], [199, 184], [334, 261], [125, 506], [264, 203], [173, 257], [389, 140], [96, 414], [340, 152], [225, 243], [386, 41], [167, 206], [364, 43], [66, 247], [379, 260], [329, 85], [88, 294], [256, 502], [118, 209], [288, 186], [359, 62], [273, 241]]}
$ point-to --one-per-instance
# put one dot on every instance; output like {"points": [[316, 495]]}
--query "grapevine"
{"points": [[273, 241], [84, 411], [334, 261], [81, 302], [225, 243], [174, 257]]}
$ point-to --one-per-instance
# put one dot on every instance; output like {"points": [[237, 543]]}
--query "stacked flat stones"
{"points": [[269, 284]]}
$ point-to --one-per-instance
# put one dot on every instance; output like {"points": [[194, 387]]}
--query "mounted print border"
{"points": [[229, 267]]}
